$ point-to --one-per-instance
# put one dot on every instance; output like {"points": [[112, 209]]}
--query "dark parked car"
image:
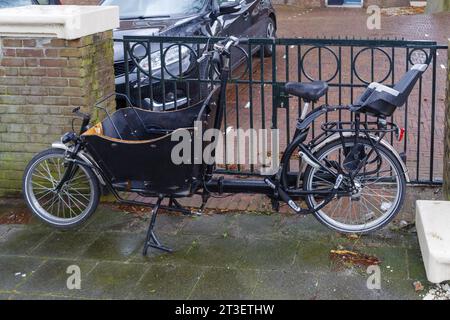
{"points": [[243, 18], [20, 3]]}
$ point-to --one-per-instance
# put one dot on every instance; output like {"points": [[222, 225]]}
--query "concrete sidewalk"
{"points": [[217, 256]]}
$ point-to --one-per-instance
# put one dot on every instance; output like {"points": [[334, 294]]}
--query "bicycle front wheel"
{"points": [[76, 200], [375, 195]]}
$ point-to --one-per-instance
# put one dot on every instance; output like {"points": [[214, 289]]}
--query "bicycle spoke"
{"points": [[65, 203], [76, 201], [370, 203]]}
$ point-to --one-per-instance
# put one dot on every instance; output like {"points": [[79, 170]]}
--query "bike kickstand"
{"points": [[152, 240], [205, 198], [175, 206]]}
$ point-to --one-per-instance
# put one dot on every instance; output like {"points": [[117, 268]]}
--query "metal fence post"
{"points": [[447, 137]]}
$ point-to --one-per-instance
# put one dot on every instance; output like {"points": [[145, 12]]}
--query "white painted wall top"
{"points": [[435, 222], [64, 22], [433, 225]]}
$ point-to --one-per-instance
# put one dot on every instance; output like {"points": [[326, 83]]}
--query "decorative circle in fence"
{"points": [[320, 50], [171, 55], [419, 56], [372, 66]]}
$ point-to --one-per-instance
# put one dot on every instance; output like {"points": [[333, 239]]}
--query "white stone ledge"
{"points": [[433, 231], [63, 22]]}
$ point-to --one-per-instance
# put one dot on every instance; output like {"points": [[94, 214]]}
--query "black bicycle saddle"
{"points": [[309, 92]]}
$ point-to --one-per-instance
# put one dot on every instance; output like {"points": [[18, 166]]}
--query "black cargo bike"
{"points": [[350, 177]]}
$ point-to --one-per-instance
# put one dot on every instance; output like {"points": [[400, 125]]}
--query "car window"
{"points": [[15, 3], [152, 8]]}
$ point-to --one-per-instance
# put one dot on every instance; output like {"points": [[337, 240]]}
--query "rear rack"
{"points": [[365, 127]]}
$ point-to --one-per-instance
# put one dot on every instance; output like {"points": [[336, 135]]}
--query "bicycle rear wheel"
{"points": [[375, 195]]}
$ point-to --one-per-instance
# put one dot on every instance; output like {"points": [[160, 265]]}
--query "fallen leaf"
{"points": [[418, 286], [354, 258]]}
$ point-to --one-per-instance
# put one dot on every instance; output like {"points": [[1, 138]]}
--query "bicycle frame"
{"points": [[269, 186], [278, 186]]}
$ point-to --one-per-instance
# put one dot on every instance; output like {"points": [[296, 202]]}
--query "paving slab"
{"points": [[4, 230], [15, 271], [168, 223], [258, 225], [410, 240], [352, 285], [111, 280], [214, 251], [221, 283], [210, 224], [262, 256], [51, 278], [340, 287], [114, 246], [268, 254], [285, 285], [393, 262], [68, 244], [313, 256], [298, 225], [402, 290], [21, 241], [108, 219], [167, 282], [416, 268]]}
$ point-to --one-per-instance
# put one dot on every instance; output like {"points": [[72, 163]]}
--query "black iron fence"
{"points": [[162, 73]]}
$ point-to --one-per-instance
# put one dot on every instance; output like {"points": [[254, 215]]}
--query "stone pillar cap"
{"points": [[64, 22]]}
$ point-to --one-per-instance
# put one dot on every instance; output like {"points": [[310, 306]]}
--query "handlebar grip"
{"points": [[86, 119], [77, 112]]}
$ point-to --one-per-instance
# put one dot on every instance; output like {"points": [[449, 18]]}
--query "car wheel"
{"points": [[271, 32]]}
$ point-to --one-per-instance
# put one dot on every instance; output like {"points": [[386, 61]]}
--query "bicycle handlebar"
{"points": [[86, 119], [222, 47]]}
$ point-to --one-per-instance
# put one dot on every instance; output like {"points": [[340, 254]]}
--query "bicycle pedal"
{"points": [[285, 197]]}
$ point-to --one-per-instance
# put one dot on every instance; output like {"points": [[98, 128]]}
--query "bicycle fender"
{"points": [[336, 136], [83, 156]]}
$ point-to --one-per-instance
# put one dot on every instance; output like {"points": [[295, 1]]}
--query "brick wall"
{"points": [[447, 137], [41, 81]]}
